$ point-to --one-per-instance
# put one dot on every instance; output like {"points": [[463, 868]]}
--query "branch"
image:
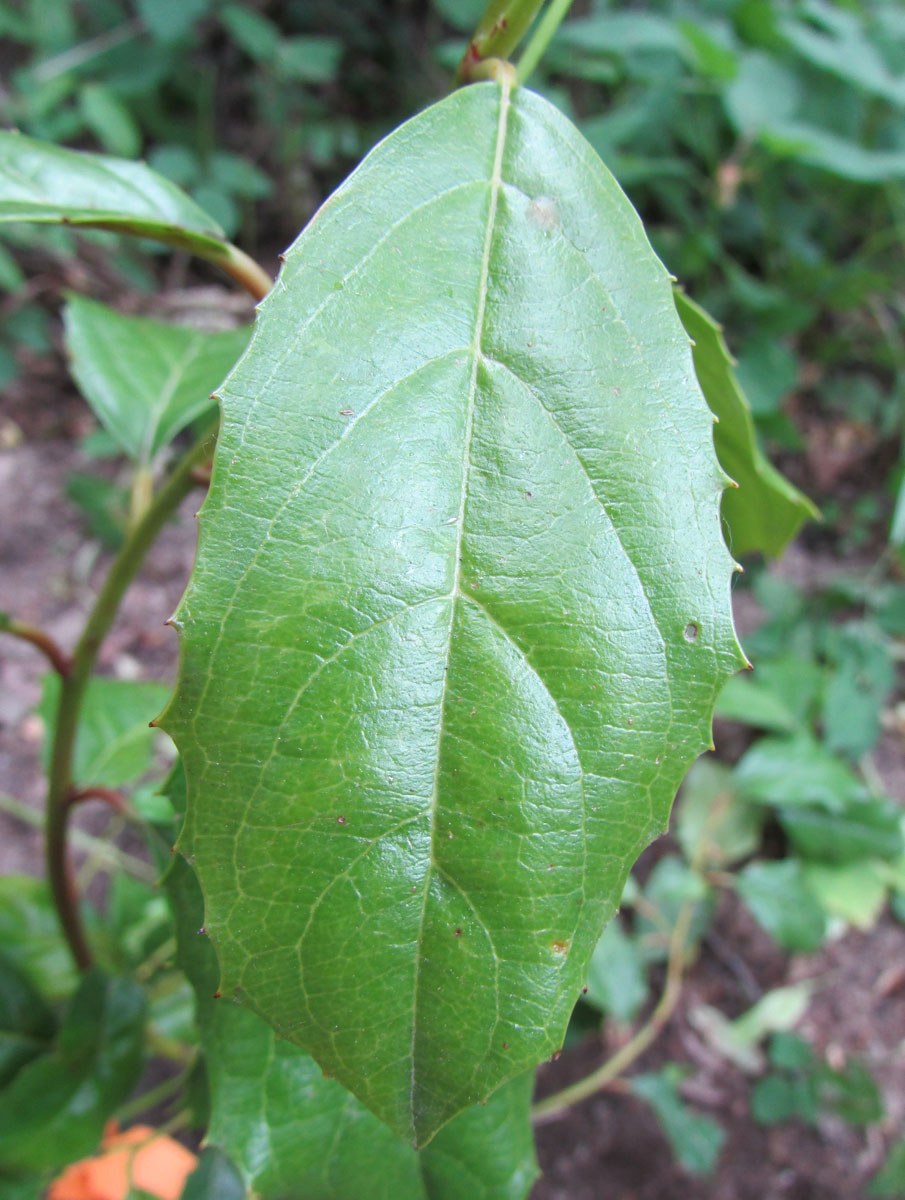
{"points": [[57, 658], [72, 692]]}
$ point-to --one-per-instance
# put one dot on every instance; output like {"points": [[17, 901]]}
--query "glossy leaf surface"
{"points": [[765, 511], [43, 182], [289, 1130], [460, 610], [145, 380]]}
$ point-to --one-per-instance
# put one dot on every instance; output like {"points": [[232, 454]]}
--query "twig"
{"points": [[58, 659]]}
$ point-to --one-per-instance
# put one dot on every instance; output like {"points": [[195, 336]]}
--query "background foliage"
{"points": [[763, 143]]}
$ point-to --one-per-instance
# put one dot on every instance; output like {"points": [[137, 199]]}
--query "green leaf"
{"points": [[797, 771], [169, 20], [320, 1140], [851, 1093], [145, 380], [617, 981], [778, 896], [114, 742], [215, 1178], [109, 120], [26, 1023], [857, 690], [696, 1140], [870, 828], [460, 610], [843, 49], [711, 808], [55, 1109], [778, 1098], [30, 935], [766, 511], [856, 891], [749, 701], [889, 1181], [47, 183]]}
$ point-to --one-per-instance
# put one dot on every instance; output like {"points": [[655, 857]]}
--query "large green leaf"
{"points": [[291, 1131], [43, 182], [145, 380], [460, 610], [765, 511]]}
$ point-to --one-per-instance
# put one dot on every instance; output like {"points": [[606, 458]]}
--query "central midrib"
{"points": [[495, 185]]}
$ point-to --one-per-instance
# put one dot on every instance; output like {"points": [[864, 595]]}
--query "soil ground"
{"points": [[609, 1146]]}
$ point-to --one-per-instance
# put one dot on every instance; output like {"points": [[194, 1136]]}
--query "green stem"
{"points": [[501, 28], [541, 38], [162, 1092], [72, 691], [241, 267], [39, 639]]}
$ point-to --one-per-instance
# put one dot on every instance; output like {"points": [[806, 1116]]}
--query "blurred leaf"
{"points": [[11, 275], [267, 1092], [669, 886], [145, 380], [169, 20], [763, 92], [617, 980], [778, 1098], [767, 372], [30, 935], [765, 512], [739, 1040], [620, 33], [26, 1023], [114, 741], [797, 771], [178, 163], [103, 505], [865, 828], [309, 59], [856, 892], [889, 1181], [695, 1140], [857, 689], [252, 31], [55, 1109], [710, 807], [43, 182], [851, 1093], [778, 896], [827, 151], [839, 45], [109, 120], [745, 699], [239, 176], [789, 1051], [215, 1178]]}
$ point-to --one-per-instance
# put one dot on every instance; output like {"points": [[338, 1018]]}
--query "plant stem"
{"points": [[542, 36], [38, 638], [239, 266], [556, 1105], [154, 1096], [501, 28], [110, 797], [72, 691]]}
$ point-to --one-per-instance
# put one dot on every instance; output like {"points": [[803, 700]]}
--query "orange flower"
{"points": [[139, 1158]]}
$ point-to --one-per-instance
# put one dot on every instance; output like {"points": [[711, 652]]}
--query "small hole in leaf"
{"points": [[691, 631]]}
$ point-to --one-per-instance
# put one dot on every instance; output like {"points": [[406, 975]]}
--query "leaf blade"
{"points": [[456, 282]]}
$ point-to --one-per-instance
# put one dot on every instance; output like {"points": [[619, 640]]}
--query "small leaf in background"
{"points": [[670, 885], [169, 20], [857, 689], [695, 1139], [779, 1098], [104, 506], [114, 743], [54, 1110], [864, 829], [139, 1160], [145, 380], [31, 938], [256, 34], [267, 1092], [749, 701], [710, 807], [778, 896], [766, 511], [26, 1022], [889, 1181], [851, 1093], [739, 1040], [215, 1178], [308, 59], [617, 980], [797, 771], [110, 120]]}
